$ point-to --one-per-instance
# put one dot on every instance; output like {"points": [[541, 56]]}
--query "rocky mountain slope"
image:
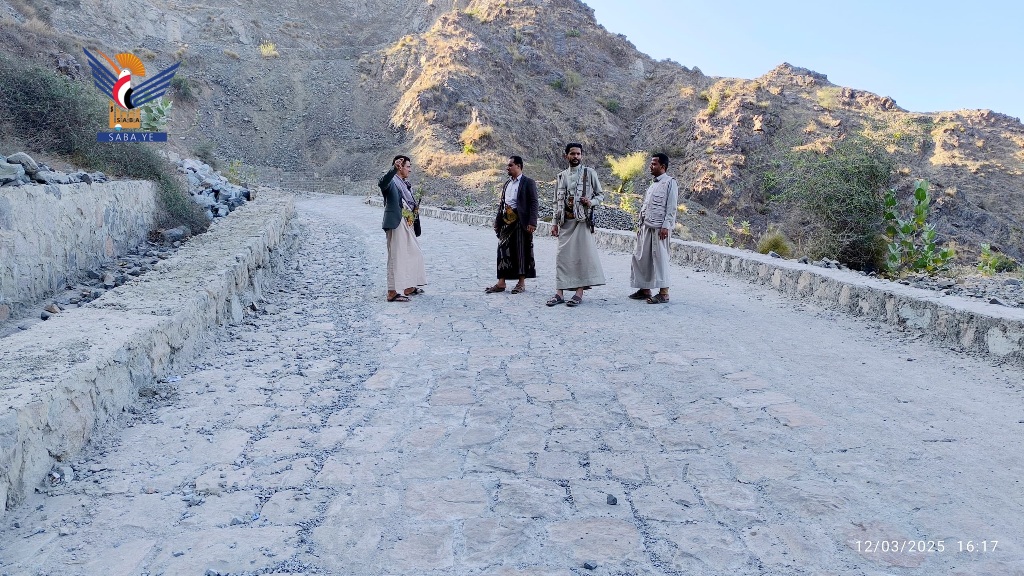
{"points": [[462, 83]]}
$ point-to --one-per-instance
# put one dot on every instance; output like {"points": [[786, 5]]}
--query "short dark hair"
{"points": [[662, 158], [401, 157], [572, 145], [517, 160]]}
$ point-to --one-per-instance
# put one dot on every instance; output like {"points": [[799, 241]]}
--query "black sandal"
{"points": [[555, 300], [494, 289], [640, 295], [574, 301], [519, 289], [398, 298], [658, 299]]}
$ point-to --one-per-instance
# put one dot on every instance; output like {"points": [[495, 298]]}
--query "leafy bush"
{"points": [[183, 88], [828, 98], [155, 115], [836, 200], [56, 115], [774, 240], [573, 32], [568, 83], [991, 262], [610, 105], [912, 244]]}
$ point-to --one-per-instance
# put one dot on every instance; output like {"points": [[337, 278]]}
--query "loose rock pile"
{"points": [[1001, 289], [211, 190], [20, 170], [108, 276]]}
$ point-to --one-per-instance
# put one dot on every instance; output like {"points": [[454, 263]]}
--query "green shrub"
{"points": [[835, 200], [610, 105], [573, 32], [56, 115], [774, 240], [991, 262], [568, 83], [183, 88], [155, 115], [828, 98], [911, 242], [714, 100], [628, 168]]}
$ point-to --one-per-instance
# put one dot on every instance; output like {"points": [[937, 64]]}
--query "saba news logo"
{"points": [[132, 108]]}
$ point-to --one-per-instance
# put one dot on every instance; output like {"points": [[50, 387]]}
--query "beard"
{"points": [[574, 162]]}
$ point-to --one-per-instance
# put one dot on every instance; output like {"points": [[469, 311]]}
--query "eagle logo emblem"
{"points": [[115, 78]]}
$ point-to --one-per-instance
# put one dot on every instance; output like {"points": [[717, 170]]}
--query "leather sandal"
{"points": [[398, 298], [640, 295], [555, 300], [574, 301], [658, 299], [519, 289], [493, 289]]}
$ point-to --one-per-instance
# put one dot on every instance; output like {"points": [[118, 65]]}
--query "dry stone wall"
{"points": [[49, 234], [951, 321], [63, 377]]}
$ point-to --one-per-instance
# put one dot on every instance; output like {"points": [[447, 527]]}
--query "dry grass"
{"points": [[232, 54], [475, 135], [268, 50]]}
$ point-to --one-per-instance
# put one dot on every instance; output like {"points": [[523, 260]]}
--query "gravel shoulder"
{"points": [[738, 432]]}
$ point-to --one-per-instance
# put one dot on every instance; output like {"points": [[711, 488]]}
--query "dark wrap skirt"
{"points": [[515, 252]]}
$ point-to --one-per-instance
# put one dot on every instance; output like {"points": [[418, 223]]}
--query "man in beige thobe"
{"points": [[650, 265]]}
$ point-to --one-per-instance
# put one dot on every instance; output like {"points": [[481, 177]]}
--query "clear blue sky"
{"points": [[928, 56]]}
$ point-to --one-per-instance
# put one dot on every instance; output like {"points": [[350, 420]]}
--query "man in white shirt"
{"points": [[650, 263], [514, 225]]}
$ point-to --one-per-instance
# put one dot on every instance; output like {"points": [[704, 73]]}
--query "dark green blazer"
{"points": [[392, 200]]}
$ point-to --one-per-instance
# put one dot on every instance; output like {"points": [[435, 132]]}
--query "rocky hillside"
{"points": [[462, 83]]}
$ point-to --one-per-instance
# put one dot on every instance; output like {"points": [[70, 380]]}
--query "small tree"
{"points": [[912, 245], [627, 168], [835, 199]]}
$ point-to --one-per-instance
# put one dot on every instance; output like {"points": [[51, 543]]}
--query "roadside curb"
{"points": [[951, 321], [81, 368]]}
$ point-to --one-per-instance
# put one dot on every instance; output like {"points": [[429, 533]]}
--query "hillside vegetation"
{"points": [[461, 84]]}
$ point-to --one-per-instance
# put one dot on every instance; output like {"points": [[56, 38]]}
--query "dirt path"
{"points": [[738, 433]]}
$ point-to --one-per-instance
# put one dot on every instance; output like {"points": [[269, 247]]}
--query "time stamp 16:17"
{"points": [[925, 546]]}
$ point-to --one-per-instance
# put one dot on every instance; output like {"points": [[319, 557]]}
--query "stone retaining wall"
{"points": [[50, 234], [952, 321], [84, 366]]}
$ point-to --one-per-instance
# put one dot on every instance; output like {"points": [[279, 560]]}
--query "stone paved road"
{"points": [[740, 433]]}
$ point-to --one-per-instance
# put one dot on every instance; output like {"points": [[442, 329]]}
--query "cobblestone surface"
{"points": [[738, 433]]}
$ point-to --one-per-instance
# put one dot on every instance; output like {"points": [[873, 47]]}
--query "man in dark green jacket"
{"points": [[405, 259]]}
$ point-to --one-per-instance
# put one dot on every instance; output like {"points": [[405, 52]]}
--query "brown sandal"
{"points": [[658, 299], [398, 298], [519, 289], [494, 289]]}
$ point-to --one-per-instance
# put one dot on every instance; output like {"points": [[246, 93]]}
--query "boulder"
{"points": [[26, 162], [10, 172], [174, 234], [49, 177]]}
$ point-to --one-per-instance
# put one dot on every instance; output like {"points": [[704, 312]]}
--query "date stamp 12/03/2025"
{"points": [[925, 546]]}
